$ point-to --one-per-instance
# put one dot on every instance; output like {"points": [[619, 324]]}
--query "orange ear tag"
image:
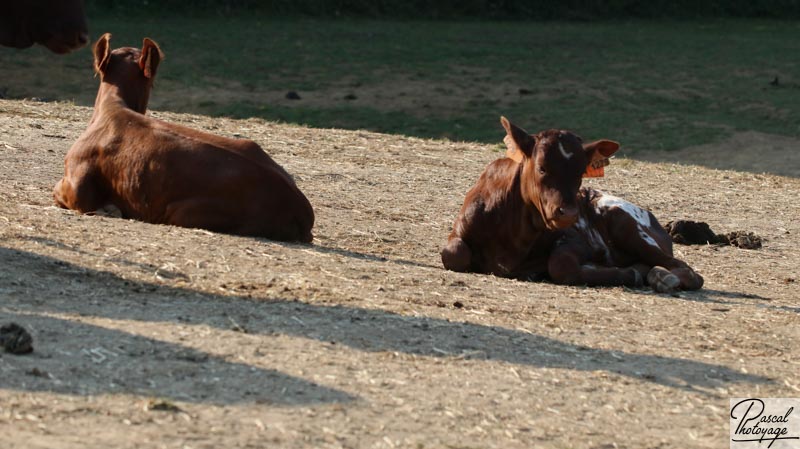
{"points": [[595, 168]]}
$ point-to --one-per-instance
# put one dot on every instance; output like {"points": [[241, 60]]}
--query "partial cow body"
{"points": [[164, 173], [59, 25], [526, 218], [615, 242], [495, 232]]}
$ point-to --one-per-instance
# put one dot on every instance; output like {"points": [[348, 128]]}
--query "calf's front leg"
{"points": [[567, 265]]}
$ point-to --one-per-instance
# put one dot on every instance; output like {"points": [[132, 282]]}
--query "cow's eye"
{"points": [[542, 171]]}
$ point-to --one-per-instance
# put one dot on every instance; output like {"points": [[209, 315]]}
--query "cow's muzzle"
{"points": [[563, 217]]}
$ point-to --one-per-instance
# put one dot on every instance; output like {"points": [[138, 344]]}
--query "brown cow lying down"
{"points": [[163, 173], [59, 25], [531, 220]]}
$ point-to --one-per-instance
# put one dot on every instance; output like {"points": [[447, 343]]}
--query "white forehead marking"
{"points": [[563, 151], [641, 216]]}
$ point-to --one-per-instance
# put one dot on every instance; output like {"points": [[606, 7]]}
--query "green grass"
{"points": [[648, 84]]}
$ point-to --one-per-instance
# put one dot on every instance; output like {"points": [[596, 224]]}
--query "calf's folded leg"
{"points": [[566, 266], [653, 247]]}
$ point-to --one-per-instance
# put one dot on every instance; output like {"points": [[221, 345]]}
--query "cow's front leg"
{"points": [[456, 255], [78, 194], [567, 265], [62, 194]]}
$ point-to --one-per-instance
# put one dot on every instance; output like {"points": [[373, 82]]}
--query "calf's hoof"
{"points": [[662, 280], [689, 279], [639, 273]]}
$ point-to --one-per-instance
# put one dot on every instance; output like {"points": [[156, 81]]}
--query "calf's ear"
{"points": [[597, 154], [102, 54], [519, 143], [151, 57]]}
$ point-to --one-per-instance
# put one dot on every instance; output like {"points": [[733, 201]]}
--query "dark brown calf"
{"points": [[159, 172], [528, 218], [59, 25]]}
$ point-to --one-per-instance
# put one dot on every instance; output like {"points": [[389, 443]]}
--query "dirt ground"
{"points": [[153, 336]]}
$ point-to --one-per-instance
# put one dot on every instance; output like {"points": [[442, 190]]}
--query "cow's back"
{"points": [[162, 173]]}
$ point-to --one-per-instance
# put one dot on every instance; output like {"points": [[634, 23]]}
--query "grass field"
{"points": [[650, 85]]}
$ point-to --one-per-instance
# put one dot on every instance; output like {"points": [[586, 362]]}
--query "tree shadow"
{"points": [[730, 299], [367, 330], [717, 296], [322, 249], [767, 153], [100, 360], [369, 257]]}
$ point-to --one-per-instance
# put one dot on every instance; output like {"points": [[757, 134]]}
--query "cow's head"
{"points": [[553, 165], [130, 70], [59, 25]]}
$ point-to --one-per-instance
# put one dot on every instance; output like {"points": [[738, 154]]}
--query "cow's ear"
{"points": [[151, 57], [597, 154], [519, 144], [102, 54]]}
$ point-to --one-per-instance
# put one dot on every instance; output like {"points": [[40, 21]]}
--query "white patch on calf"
{"points": [[563, 151], [641, 216]]}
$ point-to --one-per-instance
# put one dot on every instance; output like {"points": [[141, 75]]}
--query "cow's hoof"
{"points": [[662, 280], [109, 210]]}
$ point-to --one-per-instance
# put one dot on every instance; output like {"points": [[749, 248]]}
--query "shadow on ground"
{"points": [[747, 151], [190, 373], [100, 360]]}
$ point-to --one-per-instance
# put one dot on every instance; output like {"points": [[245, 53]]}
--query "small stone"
{"points": [[155, 405], [37, 373], [15, 339]]}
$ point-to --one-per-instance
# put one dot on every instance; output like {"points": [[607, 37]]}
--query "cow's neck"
{"points": [[111, 98]]}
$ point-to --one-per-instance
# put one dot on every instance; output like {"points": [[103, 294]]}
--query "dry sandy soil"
{"points": [[153, 336]]}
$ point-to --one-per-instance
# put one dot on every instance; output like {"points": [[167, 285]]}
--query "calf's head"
{"points": [[553, 164], [59, 25], [127, 72]]}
